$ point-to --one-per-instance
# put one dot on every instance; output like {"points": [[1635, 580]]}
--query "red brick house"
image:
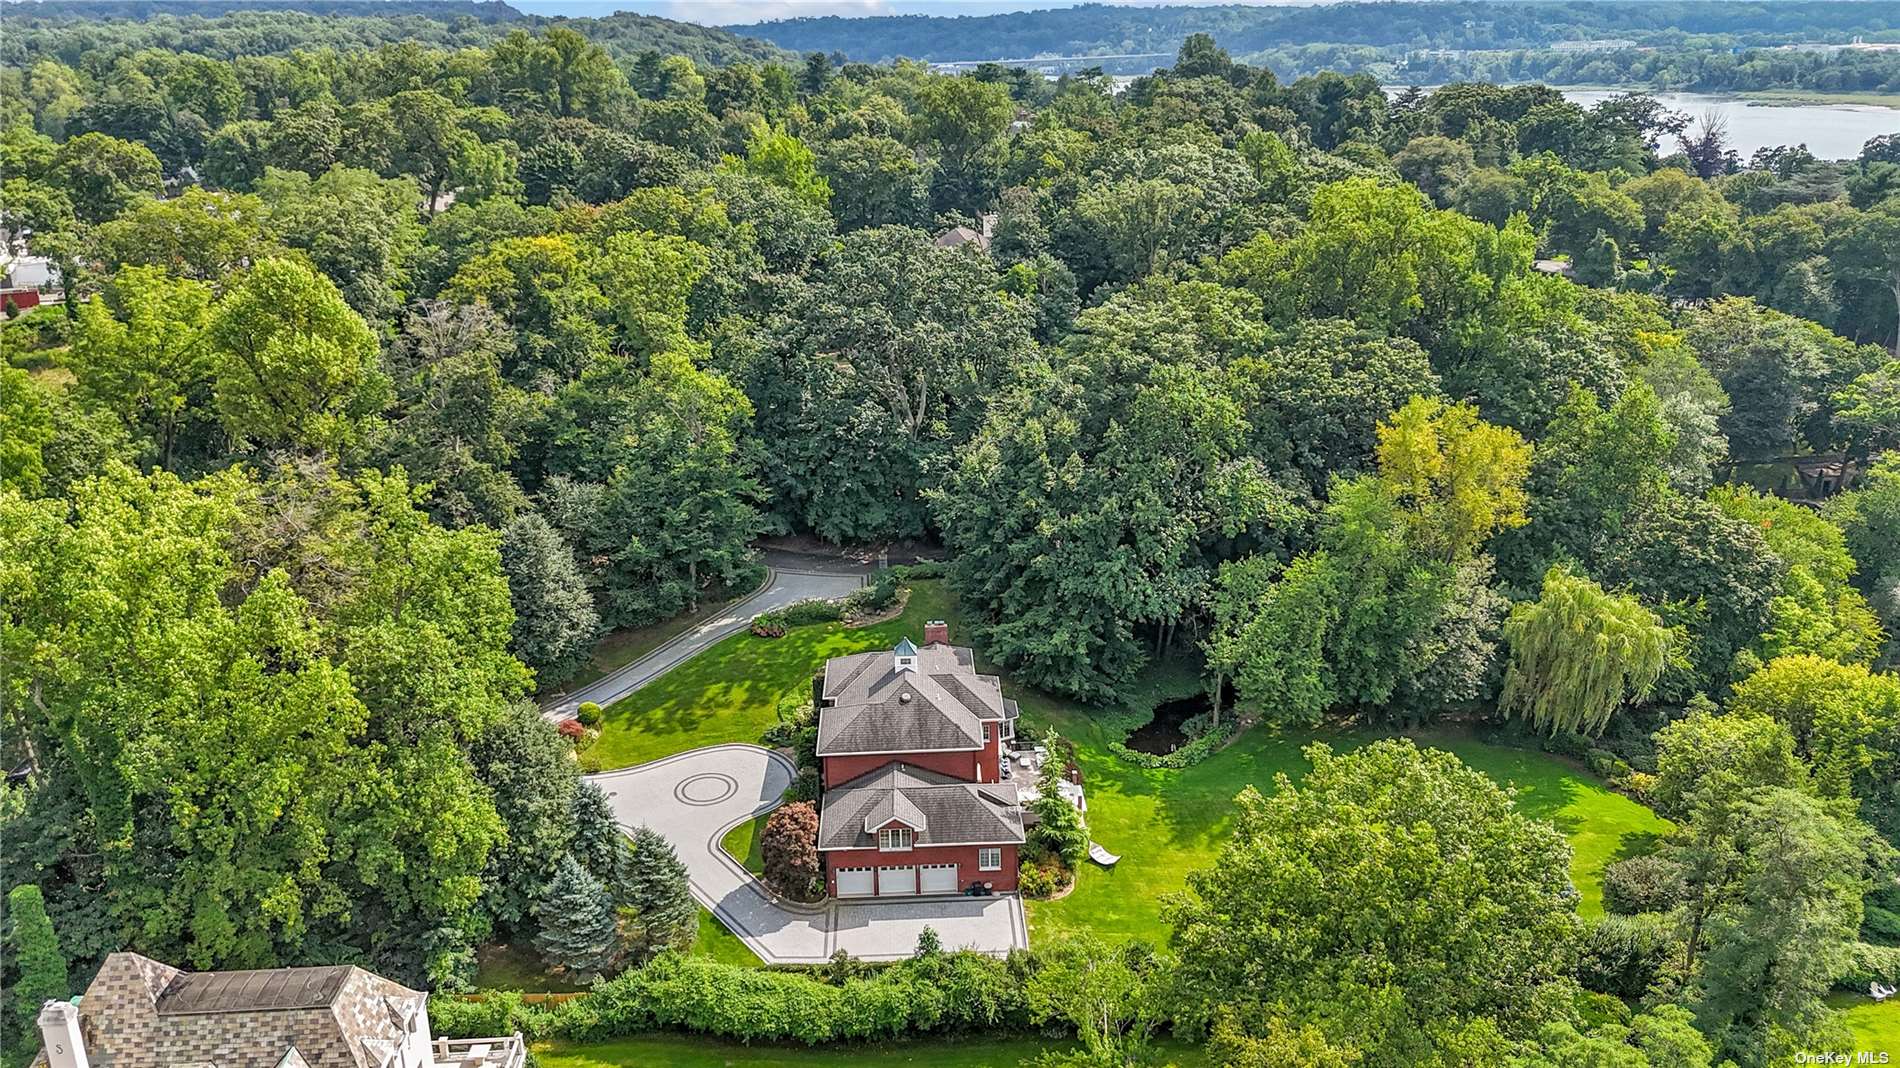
{"points": [[912, 746]]}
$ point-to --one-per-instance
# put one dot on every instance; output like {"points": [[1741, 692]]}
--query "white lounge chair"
{"points": [[1878, 992], [1102, 856]]}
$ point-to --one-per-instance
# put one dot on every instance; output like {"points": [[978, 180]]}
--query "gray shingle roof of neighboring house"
{"points": [[958, 236], [143, 1014], [869, 706], [940, 809]]}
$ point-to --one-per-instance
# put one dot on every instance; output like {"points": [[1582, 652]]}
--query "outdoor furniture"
{"points": [[1102, 856], [1879, 993]]}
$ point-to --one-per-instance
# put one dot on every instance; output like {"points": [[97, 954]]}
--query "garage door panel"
{"points": [[896, 882], [939, 878], [855, 882]]}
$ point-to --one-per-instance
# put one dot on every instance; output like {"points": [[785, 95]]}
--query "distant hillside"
{"points": [[226, 29], [1097, 29], [481, 10]]}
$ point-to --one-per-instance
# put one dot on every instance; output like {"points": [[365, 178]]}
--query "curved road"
{"points": [[785, 583], [694, 798]]}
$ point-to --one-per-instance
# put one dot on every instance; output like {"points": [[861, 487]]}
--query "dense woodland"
{"points": [[390, 376], [1711, 47]]}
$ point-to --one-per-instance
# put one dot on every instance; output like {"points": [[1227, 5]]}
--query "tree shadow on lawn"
{"points": [[730, 691]]}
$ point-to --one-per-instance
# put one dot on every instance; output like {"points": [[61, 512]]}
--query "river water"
{"points": [[1831, 131]]}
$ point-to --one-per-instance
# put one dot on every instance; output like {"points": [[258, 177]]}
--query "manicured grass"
{"points": [[623, 647], [720, 944], [1166, 824], [1876, 1024], [742, 843], [730, 692], [693, 1051], [1163, 823]]}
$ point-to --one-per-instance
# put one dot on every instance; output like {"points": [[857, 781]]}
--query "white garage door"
{"points": [[896, 881], [854, 882], [939, 878]]}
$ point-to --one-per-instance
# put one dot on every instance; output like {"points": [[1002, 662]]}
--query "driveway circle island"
{"points": [[708, 789]]}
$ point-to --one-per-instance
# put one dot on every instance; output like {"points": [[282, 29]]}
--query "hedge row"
{"points": [[936, 993]]}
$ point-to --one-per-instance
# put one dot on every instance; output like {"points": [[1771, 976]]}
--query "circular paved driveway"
{"points": [[694, 798]]}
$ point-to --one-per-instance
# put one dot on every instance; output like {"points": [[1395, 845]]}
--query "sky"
{"points": [[738, 12]]}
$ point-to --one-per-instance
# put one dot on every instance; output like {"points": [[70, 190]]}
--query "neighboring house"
{"points": [[139, 1013], [959, 236], [27, 281], [912, 743]]}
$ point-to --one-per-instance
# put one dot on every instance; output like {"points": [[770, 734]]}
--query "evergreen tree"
{"points": [[34, 947], [661, 904], [578, 931], [1059, 826], [599, 843], [555, 621]]}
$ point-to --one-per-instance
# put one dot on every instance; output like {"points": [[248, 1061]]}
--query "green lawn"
{"points": [[730, 692], [623, 647], [720, 944], [1876, 1024], [693, 1051], [1163, 823], [742, 843], [1168, 823]]}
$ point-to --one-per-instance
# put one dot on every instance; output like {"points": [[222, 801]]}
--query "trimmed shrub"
{"points": [[769, 625], [500, 1012], [868, 600], [1623, 955], [805, 613], [1642, 884], [1034, 880], [572, 729], [804, 787], [588, 714]]}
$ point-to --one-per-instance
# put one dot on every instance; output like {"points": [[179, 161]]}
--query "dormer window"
{"points": [[904, 657], [894, 839]]}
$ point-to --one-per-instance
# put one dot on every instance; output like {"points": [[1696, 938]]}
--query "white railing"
{"points": [[510, 1052]]}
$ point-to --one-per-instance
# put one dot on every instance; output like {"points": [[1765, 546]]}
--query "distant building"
{"points": [[959, 236], [139, 1013]]}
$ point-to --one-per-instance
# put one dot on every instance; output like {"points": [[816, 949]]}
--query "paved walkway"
{"points": [[788, 579], [694, 798]]}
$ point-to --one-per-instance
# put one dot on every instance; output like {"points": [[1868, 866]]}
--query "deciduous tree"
{"points": [[1390, 901]]}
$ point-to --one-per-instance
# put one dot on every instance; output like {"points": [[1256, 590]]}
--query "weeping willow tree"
{"points": [[1579, 652]]}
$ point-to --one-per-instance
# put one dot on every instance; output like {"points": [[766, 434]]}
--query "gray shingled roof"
{"points": [[258, 989], [951, 812], [871, 707]]}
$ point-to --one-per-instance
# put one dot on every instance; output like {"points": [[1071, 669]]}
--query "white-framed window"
{"points": [[989, 858], [894, 839]]}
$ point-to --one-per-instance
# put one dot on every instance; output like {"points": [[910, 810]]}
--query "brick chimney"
{"points": [[936, 632]]}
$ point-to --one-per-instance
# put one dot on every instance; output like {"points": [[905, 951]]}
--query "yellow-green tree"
{"points": [[1580, 652]]}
